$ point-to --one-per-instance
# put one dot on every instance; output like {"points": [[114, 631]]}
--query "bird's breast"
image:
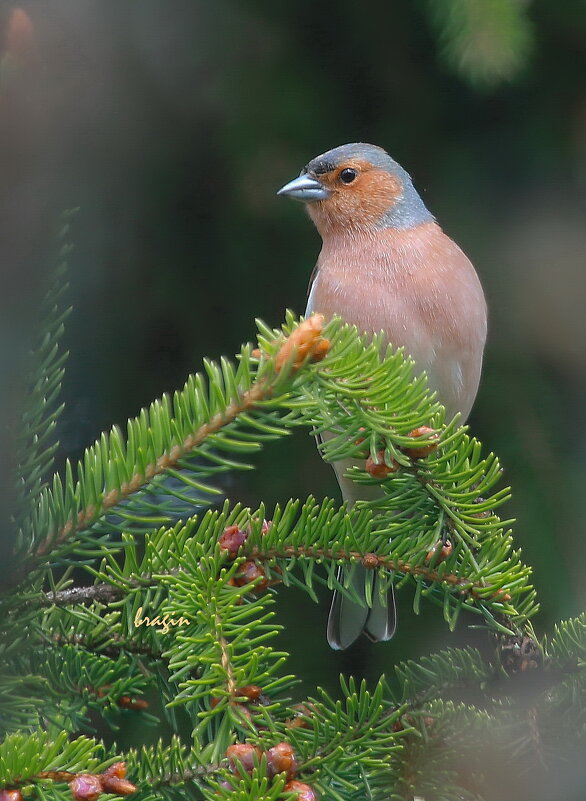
{"points": [[419, 288]]}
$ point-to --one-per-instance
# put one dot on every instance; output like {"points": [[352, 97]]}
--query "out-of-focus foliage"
{"points": [[484, 42]]}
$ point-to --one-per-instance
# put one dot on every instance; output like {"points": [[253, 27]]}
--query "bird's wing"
{"points": [[312, 278]]}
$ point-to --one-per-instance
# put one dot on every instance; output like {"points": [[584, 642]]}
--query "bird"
{"points": [[386, 265]]}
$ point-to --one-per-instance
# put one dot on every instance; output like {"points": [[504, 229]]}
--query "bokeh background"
{"points": [[172, 124]]}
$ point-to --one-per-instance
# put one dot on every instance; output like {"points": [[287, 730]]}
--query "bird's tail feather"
{"points": [[347, 619]]}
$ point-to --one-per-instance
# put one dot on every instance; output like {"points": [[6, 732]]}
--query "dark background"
{"points": [[172, 124]]}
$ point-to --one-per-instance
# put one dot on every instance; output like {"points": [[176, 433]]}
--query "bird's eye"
{"points": [[348, 175]]}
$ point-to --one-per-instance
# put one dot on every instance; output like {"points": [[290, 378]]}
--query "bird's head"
{"points": [[357, 187]]}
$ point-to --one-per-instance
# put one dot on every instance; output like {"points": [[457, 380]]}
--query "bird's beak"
{"points": [[304, 188]]}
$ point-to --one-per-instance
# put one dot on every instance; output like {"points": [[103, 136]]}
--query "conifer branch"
{"points": [[105, 593], [95, 593], [466, 586], [133, 473], [435, 529], [117, 645], [87, 516], [42, 408]]}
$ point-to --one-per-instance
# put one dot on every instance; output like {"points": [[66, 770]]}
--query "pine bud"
{"points": [[244, 754], [360, 440], [11, 795], [440, 551], [423, 432], [86, 787], [118, 769], [266, 525], [380, 469], [113, 780], [249, 572], [305, 341], [370, 561], [304, 791], [231, 540], [302, 711], [264, 528], [118, 786], [252, 691], [320, 350], [281, 759], [126, 702]]}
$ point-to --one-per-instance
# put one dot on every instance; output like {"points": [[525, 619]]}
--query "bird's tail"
{"points": [[347, 619]]}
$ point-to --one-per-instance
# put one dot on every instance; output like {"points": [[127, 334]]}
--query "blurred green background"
{"points": [[172, 124]]}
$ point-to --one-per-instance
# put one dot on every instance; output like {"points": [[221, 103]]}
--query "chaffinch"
{"points": [[386, 265]]}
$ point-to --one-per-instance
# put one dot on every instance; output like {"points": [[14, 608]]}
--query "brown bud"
{"points": [[440, 551], [126, 702], [296, 723], [86, 787], [302, 711], [266, 525], [370, 561], [118, 769], [11, 795], [281, 759], [118, 786], [304, 791], [251, 691], [305, 341], [244, 754], [380, 469], [320, 351], [249, 572], [398, 726], [423, 432], [360, 440], [231, 540]]}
